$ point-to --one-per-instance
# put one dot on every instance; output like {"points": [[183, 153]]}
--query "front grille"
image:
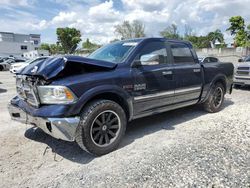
{"points": [[243, 68], [244, 71], [26, 90]]}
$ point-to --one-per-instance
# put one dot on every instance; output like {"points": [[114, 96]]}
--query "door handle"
{"points": [[197, 70], [167, 73]]}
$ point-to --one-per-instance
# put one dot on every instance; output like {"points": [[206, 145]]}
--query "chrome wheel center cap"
{"points": [[104, 127]]}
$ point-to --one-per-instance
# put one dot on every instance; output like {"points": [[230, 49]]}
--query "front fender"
{"points": [[93, 92]]}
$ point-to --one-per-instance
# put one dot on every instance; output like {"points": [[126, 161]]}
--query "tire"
{"points": [[96, 119], [1, 68], [214, 102]]}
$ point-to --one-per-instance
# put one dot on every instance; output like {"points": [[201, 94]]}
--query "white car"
{"points": [[5, 63], [16, 67], [242, 73]]}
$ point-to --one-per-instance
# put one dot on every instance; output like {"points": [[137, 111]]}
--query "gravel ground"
{"points": [[181, 148]]}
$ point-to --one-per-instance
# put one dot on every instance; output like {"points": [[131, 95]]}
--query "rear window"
{"points": [[182, 53]]}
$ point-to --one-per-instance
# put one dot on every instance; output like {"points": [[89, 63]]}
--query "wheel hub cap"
{"points": [[105, 128]]}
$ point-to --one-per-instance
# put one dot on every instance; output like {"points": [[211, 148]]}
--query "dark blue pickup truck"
{"points": [[90, 100]]}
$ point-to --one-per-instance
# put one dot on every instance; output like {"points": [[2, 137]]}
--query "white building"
{"points": [[12, 44], [35, 53]]}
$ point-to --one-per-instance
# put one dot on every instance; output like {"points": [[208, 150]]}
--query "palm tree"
{"points": [[217, 35]]}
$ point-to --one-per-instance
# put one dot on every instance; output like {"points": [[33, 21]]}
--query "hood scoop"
{"points": [[65, 66]]}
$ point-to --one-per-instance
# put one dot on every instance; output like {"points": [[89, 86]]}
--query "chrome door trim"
{"points": [[167, 73], [186, 90], [167, 93], [161, 94]]}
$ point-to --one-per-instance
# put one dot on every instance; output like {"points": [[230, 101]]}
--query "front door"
{"points": [[153, 83]]}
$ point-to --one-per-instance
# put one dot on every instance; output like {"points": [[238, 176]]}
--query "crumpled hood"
{"points": [[51, 67]]}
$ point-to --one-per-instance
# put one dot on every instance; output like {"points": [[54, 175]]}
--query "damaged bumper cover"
{"points": [[60, 128]]}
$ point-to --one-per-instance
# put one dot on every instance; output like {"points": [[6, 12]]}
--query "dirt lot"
{"points": [[182, 148]]}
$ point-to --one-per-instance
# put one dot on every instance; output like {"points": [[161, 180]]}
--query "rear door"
{"points": [[153, 84], [187, 73]]}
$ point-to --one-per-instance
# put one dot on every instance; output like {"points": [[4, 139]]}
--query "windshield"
{"points": [[114, 53]]}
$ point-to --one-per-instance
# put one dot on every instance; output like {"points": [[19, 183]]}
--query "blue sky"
{"points": [[96, 18]]}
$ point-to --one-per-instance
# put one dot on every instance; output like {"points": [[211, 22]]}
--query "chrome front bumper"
{"points": [[242, 80], [60, 128]]}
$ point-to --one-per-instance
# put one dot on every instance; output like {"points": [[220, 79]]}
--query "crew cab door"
{"points": [[187, 73], [154, 82]]}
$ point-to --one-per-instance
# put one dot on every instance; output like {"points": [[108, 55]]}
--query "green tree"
{"points": [[238, 30], [45, 46], [128, 30], [199, 41], [237, 24], [248, 32], [171, 32], [52, 48], [68, 39], [89, 45], [217, 35]]}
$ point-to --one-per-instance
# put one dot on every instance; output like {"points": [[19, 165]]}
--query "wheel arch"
{"points": [[112, 97], [115, 94], [218, 79]]}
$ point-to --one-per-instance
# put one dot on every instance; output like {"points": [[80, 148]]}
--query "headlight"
{"points": [[56, 95]]}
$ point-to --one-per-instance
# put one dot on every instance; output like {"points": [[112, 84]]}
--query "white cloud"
{"points": [[64, 17], [97, 20], [14, 2], [104, 12]]}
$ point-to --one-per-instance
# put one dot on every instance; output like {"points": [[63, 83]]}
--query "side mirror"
{"points": [[150, 59], [240, 60]]}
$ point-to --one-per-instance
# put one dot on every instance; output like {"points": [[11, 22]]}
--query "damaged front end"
{"points": [[40, 103], [56, 67]]}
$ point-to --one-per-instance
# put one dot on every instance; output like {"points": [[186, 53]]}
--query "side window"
{"points": [[182, 53], [206, 60], [155, 52], [213, 59]]}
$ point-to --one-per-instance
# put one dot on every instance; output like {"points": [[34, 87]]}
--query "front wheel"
{"points": [[216, 98], [102, 126]]}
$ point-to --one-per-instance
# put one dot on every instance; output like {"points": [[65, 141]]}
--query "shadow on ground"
{"points": [[135, 130], [245, 88]]}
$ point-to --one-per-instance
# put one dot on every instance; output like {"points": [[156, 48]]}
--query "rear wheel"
{"points": [[215, 99], [102, 126]]}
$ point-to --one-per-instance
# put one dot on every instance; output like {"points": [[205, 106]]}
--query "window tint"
{"points": [[181, 53], [206, 60], [157, 48], [213, 59], [115, 52]]}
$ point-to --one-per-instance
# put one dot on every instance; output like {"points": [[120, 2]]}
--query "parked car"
{"points": [[208, 59], [16, 67], [5, 65], [242, 73], [90, 99]]}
